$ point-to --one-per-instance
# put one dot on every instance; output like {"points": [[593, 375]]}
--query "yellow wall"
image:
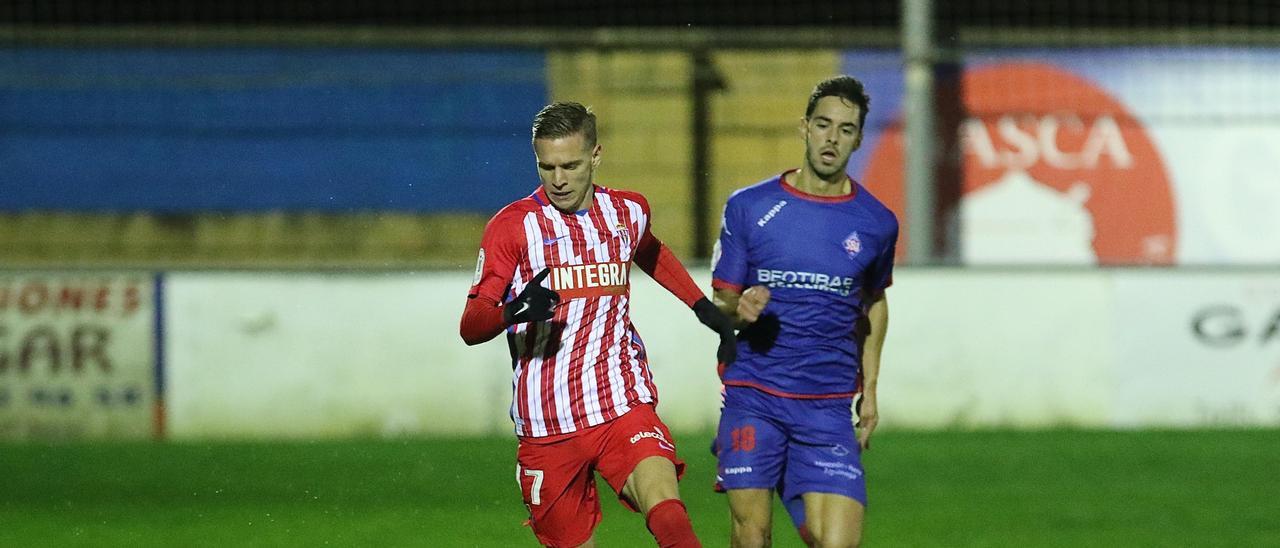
{"points": [[644, 108], [365, 240]]}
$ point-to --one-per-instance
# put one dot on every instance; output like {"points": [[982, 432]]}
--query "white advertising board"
{"points": [[316, 355], [971, 349], [312, 355], [301, 355], [1199, 348], [77, 356]]}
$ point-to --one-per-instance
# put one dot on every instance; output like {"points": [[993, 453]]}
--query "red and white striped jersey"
{"points": [[586, 365]]}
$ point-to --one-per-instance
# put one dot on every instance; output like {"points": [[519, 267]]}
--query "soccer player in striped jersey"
{"points": [[554, 274], [802, 264]]}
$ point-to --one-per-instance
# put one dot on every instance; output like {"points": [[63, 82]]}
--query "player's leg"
{"points": [[750, 450], [652, 481], [752, 514], [559, 491], [824, 468], [651, 488], [638, 459], [794, 503], [833, 520]]}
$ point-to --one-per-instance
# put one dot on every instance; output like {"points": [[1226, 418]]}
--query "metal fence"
{"points": [[282, 136]]}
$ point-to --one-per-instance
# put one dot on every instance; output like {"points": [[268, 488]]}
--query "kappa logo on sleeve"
{"points": [[773, 212]]}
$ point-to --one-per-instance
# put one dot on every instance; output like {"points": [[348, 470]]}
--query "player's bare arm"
{"points": [[868, 410]]}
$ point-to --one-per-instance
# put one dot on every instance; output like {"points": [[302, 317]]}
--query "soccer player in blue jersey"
{"points": [[802, 264]]}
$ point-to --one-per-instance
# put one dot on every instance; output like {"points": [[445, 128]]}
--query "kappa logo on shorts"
{"points": [[655, 434], [839, 450], [737, 470]]}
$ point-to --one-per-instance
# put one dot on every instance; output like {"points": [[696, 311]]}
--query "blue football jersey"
{"points": [[820, 257]]}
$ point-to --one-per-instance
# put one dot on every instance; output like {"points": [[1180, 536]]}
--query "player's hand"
{"points": [[534, 304], [752, 302], [868, 418], [712, 317]]}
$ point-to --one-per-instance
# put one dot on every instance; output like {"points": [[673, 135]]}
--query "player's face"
{"points": [[831, 134], [565, 166]]}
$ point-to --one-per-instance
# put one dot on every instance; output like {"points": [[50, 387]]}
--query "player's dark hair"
{"points": [[845, 87], [565, 118]]}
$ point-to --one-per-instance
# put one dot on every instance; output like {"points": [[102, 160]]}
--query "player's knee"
{"points": [[752, 537], [653, 481], [835, 538], [752, 533]]}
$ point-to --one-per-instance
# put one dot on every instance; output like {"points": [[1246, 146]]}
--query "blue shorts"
{"points": [[795, 446]]}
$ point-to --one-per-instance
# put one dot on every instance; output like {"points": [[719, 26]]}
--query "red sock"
{"points": [[669, 522], [805, 535]]}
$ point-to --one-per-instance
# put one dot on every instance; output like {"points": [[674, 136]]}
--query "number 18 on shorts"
{"points": [[800, 446]]}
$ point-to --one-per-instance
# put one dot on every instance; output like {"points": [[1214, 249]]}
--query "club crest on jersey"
{"points": [[853, 244], [620, 232]]}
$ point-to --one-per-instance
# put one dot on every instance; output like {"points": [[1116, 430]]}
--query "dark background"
{"points": [[710, 13]]}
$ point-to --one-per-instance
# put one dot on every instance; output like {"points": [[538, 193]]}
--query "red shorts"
{"points": [[556, 473]]}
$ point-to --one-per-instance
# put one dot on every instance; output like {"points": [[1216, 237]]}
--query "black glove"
{"points": [[712, 317], [534, 304]]}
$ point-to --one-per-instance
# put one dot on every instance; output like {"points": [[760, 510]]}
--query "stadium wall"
{"points": [[79, 356], [304, 355], [324, 355], [329, 355]]}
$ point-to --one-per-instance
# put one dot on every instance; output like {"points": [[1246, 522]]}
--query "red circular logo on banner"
{"points": [[1053, 171]]}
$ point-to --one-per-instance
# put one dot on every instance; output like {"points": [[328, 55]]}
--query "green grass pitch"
{"points": [[1056, 488]]}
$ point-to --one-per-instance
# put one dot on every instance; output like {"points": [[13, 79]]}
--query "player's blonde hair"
{"points": [[565, 118]]}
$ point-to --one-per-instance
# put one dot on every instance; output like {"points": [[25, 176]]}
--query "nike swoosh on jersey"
{"points": [[549, 241], [523, 307]]}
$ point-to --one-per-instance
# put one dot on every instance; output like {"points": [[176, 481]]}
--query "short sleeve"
{"points": [[729, 258], [880, 276], [500, 252]]}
